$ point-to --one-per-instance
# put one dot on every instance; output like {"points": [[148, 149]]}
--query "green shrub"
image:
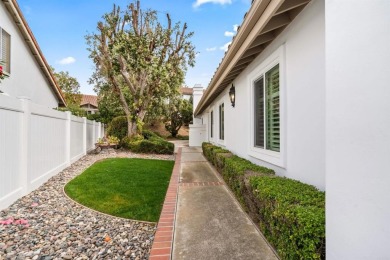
{"points": [[118, 127], [149, 142], [235, 170], [207, 148], [292, 216], [219, 161], [210, 151], [147, 134]]}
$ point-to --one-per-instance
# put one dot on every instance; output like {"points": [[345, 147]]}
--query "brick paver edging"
{"points": [[163, 239]]}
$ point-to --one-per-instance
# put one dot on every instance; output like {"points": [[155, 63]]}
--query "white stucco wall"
{"points": [[26, 78], [358, 129], [303, 99]]}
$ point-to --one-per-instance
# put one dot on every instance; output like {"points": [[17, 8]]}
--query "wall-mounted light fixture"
{"points": [[232, 95]]}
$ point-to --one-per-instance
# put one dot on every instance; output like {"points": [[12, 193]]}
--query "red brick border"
{"points": [[163, 239]]}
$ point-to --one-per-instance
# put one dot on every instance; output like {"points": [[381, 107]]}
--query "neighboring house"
{"points": [[30, 75], [89, 103], [186, 92], [312, 102]]}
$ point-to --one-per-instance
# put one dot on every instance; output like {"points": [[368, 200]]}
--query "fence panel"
{"points": [[76, 138], [47, 144], [11, 115], [90, 135], [36, 143]]}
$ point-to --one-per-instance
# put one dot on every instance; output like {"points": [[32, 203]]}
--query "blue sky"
{"points": [[60, 26]]}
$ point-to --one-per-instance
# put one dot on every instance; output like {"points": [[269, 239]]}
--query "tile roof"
{"points": [[186, 91], [89, 99]]}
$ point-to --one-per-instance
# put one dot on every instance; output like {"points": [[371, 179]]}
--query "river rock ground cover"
{"points": [[46, 224]]}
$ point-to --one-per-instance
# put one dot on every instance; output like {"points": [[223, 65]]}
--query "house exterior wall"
{"points": [[300, 50], [90, 109], [26, 78], [186, 97], [357, 129]]}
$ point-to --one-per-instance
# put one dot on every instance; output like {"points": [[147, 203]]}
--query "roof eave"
{"points": [[261, 25]]}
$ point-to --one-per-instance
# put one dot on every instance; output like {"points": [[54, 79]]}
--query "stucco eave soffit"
{"points": [[264, 21]]}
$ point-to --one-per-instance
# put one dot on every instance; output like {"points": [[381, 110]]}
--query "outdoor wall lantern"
{"points": [[232, 95]]}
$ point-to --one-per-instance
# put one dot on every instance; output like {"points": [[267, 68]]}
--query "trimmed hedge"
{"points": [[210, 151], [149, 142], [290, 214]]}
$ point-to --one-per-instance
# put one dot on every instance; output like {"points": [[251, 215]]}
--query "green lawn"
{"points": [[127, 188]]}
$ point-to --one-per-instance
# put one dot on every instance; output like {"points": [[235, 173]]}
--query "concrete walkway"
{"points": [[209, 223]]}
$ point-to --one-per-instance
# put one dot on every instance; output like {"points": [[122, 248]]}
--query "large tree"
{"points": [[142, 60], [109, 104], [179, 113], [71, 89], [69, 86]]}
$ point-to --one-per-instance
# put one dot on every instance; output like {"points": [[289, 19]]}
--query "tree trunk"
{"points": [[131, 128]]}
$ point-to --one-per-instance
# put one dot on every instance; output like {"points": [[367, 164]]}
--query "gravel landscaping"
{"points": [[46, 224]]}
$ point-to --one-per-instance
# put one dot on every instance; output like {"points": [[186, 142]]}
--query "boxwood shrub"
{"points": [[149, 142], [118, 127], [235, 171], [290, 214]]}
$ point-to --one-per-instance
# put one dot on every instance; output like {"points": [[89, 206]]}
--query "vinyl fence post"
{"points": [[25, 141], [99, 130], [84, 135], [93, 131], [67, 138]]}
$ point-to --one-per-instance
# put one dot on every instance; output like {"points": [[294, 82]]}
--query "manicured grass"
{"points": [[122, 187]]}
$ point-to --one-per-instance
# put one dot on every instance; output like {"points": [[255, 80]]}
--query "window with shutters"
{"points": [[211, 123], [5, 50], [267, 111], [267, 116], [222, 122]]}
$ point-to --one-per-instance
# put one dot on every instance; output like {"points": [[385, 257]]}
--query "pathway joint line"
{"points": [[166, 224], [201, 184]]}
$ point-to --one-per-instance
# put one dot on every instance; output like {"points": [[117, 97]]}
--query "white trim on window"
{"points": [[276, 158]]}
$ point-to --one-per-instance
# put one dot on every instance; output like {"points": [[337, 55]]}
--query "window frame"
{"points": [[8, 73], [273, 157], [211, 124], [221, 121]]}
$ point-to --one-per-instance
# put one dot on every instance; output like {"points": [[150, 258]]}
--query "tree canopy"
{"points": [[179, 113], [71, 89], [142, 60]]}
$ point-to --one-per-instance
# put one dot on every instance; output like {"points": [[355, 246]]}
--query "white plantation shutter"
{"points": [[222, 121], [259, 113], [212, 124], [273, 109], [6, 51]]}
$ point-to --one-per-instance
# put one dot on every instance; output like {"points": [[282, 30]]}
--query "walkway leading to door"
{"points": [[209, 223]]}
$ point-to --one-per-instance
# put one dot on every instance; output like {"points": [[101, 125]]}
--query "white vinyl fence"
{"points": [[36, 143]]}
